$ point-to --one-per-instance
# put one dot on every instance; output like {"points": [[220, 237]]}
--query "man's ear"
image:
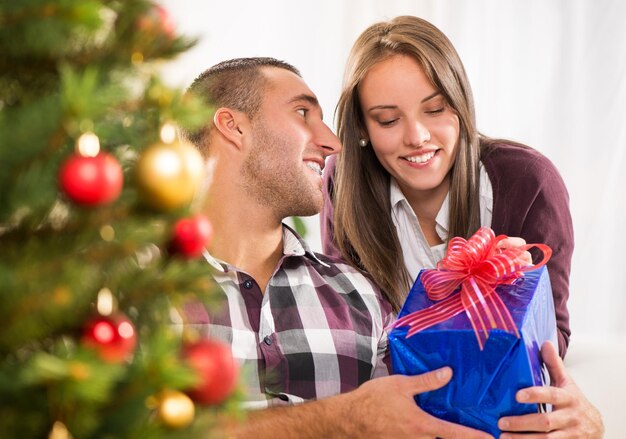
{"points": [[231, 124]]}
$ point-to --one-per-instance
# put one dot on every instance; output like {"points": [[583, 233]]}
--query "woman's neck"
{"points": [[426, 205]]}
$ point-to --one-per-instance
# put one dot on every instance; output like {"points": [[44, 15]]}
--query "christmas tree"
{"points": [[100, 244]]}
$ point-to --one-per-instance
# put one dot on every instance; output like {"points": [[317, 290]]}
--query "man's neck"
{"points": [[251, 242]]}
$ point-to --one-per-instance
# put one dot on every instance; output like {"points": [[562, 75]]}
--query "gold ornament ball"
{"points": [[59, 431], [175, 409], [169, 174]]}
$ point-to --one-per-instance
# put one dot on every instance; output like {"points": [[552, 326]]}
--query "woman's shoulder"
{"points": [[504, 159], [503, 152]]}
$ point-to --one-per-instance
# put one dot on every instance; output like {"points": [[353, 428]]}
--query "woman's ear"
{"points": [[231, 124]]}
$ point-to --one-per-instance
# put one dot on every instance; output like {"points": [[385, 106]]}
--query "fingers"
{"points": [[526, 258], [515, 242], [557, 392], [427, 381], [511, 242], [536, 422], [545, 395], [434, 380], [556, 368], [579, 420], [572, 415], [552, 435]]}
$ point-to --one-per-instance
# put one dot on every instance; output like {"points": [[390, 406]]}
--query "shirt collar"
{"points": [[397, 198], [395, 193], [222, 267], [293, 245]]}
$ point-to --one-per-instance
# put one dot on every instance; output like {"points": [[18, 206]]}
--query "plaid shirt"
{"points": [[317, 331]]}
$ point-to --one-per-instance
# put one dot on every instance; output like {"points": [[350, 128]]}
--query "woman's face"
{"points": [[411, 127]]}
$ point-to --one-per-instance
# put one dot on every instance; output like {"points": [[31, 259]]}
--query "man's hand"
{"points": [[380, 408], [384, 408], [573, 416]]}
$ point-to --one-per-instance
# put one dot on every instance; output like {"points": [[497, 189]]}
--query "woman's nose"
{"points": [[417, 134]]}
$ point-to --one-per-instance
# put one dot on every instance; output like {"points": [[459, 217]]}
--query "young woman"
{"points": [[415, 171]]}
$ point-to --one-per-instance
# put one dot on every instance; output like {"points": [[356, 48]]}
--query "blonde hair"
{"points": [[364, 230]]}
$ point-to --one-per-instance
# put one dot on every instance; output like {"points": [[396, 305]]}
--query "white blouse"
{"points": [[415, 249]]}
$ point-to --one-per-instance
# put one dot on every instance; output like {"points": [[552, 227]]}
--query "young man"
{"points": [[304, 326]]}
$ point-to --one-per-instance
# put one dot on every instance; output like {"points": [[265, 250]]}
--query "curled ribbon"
{"points": [[478, 266]]}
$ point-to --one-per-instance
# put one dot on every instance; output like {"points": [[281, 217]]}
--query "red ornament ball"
{"points": [[216, 367], [91, 181], [191, 236], [113, 337], [157, 21]]}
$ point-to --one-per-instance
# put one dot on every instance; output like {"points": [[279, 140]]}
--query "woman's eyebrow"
{"points": [[382, 107], [427, 98], [391, 107]]}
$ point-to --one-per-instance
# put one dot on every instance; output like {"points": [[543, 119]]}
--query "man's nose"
{"points": [[327, 140]]}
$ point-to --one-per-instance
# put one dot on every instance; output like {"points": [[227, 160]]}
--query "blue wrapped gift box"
{"points": [[484, 383]]}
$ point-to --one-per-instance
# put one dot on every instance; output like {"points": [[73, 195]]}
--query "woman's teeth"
{"points": [[421, 158]]}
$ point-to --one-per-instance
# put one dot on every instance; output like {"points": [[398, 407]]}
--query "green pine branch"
{"points": [[68, 67]]}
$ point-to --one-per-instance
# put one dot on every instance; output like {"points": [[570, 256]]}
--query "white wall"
{"points": [[549, 73]]}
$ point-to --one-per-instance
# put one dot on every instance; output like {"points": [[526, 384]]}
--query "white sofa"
{"points": [[598, 365]]}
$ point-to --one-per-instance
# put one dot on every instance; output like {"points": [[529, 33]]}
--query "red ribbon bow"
{"points": [[479, 266]]}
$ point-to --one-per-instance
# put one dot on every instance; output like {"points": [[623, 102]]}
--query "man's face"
{"points": [[290, 143]]}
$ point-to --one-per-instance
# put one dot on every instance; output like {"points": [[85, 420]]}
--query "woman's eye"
{"points": [[435, 111], [386, 123]]}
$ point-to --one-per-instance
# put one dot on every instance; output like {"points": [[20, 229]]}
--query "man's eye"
{"points": [[302, 111]]}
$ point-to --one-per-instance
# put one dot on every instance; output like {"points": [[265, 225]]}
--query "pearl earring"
{"points": [[363, 143]]}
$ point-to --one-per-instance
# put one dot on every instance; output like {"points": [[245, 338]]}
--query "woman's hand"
{"points": [[514, 242]]}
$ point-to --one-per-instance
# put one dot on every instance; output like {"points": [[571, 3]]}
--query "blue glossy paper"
{"points": [[484, 383]]}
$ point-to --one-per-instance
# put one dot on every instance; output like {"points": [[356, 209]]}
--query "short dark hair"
{"points": [[236, 83]]}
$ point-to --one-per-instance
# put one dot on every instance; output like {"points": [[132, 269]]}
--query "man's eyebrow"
{"points": [[391, 107], [306, 98]]}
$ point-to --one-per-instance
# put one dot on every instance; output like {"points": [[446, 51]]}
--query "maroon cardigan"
{"points": [[529, 200]]}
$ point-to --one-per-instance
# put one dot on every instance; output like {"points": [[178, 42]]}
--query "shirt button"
{"points": [[247, 284], [267, 340]]}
